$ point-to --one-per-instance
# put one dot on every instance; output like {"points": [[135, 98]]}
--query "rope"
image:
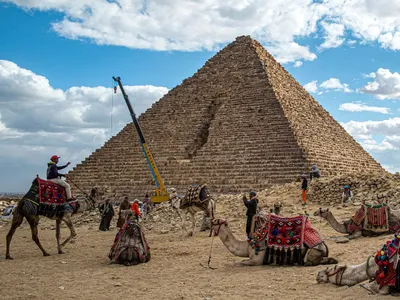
{"points": [[209, 256], [112, 108]]}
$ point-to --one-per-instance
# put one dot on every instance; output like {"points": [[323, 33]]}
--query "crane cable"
{"points": [[112, 107]]}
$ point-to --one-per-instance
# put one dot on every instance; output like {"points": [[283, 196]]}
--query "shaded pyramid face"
{"points": [[241, 122]]}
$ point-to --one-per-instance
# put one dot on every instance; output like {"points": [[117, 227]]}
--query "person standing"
{"points": [[107, 213], [304, 187], [124, 208], [135, 209], [147, 205], [251, 209]]}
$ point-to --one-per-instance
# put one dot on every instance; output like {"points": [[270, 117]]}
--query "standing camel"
{"points": [[208, 207], [28, 207]]}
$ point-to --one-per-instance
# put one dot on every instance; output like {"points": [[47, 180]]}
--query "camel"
{"points": [[349, 275], [208, 210], [352, 275], [27, 208], [394, 221], [312, 257], [130, 246]]}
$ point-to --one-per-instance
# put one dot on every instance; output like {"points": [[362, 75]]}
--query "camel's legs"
{"points": [[183, 217], [193, 220], [71, 228], [58, 229], [33, 222], [355, 235], [373, 287], [16, 222]]}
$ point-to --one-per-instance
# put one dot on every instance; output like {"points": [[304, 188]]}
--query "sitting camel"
{"points": [[311, 257], [382, 270], [208, 207], [349, 275], [356, 231], [29, 208], [130, 246]]}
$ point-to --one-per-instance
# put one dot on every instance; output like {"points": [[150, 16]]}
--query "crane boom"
{"points": [[160, 194]]}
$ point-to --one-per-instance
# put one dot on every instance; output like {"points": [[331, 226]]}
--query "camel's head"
{"points": [[217, 224], [323, 213], [322, 276], [82, 204], [277, 208]]}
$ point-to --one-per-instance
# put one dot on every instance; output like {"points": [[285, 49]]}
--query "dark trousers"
{"points": [[248, 224], [105, 223]]}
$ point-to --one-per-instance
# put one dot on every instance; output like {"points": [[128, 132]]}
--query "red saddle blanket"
{"points": [[285, 232], [51, 193], [291, 232], [387, 260]]}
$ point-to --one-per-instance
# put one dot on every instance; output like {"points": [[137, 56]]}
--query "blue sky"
{"points": [[57, 59]]}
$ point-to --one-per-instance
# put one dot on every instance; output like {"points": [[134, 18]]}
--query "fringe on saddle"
{"points": [[197, 195], [373, 218]]}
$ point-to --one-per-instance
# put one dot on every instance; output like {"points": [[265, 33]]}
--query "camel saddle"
{"points": [[48, 199], [373, 218], [278, 232], [196, 195], [50, 192], [387, 259]]}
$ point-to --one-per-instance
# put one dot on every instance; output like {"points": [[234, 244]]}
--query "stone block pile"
{"points": [[366, 188]]}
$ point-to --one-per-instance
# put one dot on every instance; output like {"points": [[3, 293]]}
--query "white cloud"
{"points": [[335, 84], [311, 86], [358, 107], [386, 85], [196, 25], [297, 64], [333, 35], [387, 152], [37, 121], [389, 127]]}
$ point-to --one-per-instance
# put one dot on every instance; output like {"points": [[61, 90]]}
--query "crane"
{"points": [[160, 194]]}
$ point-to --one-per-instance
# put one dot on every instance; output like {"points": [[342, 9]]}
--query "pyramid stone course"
{"points": [[240, 122]]}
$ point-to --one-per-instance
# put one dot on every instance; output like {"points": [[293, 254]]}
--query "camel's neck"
{"points": [[236, 247], [356, 274], [339, 227]]}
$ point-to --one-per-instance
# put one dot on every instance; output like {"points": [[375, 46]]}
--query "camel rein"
{"points": [[212, 240], [339, 275], [366, 270]]}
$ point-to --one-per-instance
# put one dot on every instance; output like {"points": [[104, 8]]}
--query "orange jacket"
{"points": [[135, 208]]}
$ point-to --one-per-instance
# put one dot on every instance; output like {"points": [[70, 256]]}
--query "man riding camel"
{"points": [[54, 176]]}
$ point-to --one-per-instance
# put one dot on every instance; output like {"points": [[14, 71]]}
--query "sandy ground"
{"points": [[174, 271]]}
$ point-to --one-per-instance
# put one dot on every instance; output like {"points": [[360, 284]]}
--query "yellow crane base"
{"points": [[159, 199]]}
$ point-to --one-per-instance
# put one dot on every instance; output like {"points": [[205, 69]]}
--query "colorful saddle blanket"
{"points": [[50, 192], [283, 233], [129, 238], [387, 259], [197, 195], [374, 218]]}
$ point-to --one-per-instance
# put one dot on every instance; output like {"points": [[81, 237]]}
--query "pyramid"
{"points": [[240, 122]]}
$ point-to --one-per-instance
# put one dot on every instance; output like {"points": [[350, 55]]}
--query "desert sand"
{"points": [[174, 271]]}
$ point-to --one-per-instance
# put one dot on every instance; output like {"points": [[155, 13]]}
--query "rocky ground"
{"points": [[175, 270]]}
